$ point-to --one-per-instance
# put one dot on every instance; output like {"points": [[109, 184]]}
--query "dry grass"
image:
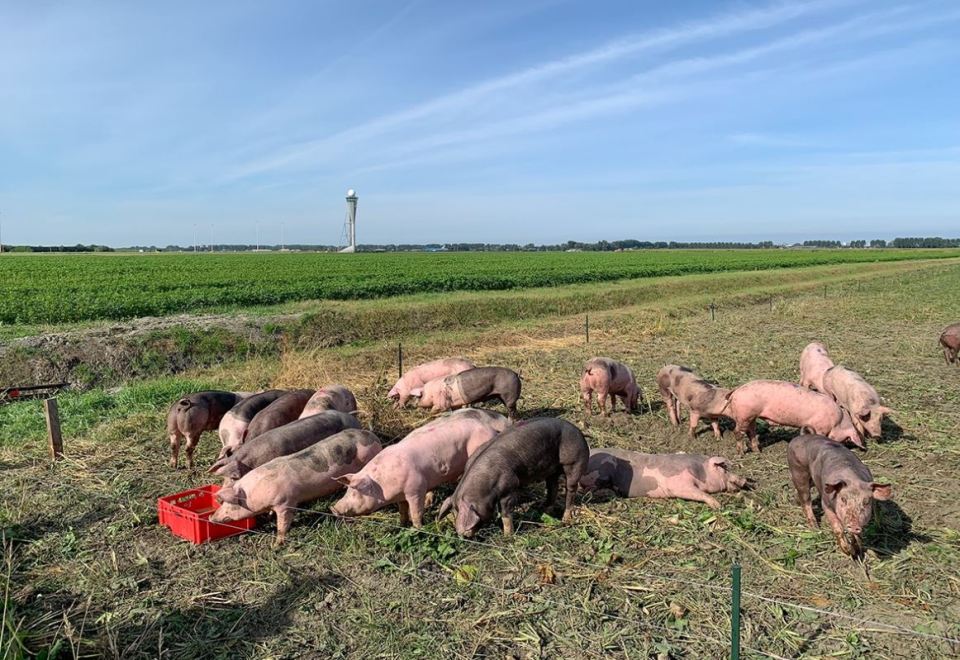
{"points": [[641, 578]]}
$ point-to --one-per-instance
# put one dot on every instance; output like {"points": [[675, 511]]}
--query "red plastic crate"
{"points": [[187, 513]]}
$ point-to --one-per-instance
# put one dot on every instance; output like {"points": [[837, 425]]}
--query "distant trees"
{"points": [[878, 243], [935, 242], [823, 244]]}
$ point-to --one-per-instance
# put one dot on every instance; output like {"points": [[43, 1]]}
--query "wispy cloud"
{"points": [[619, 49]]}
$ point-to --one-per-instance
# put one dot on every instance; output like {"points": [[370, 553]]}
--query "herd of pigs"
{"points": [[284, 448]]}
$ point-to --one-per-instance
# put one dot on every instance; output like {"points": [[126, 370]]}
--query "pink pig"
{"points": [[787, 404], [608, 378], [288, 481], [686, 476], [331, 397], [430, 456], [422, 374], [950, 342], [857, 396], [814, 362]]}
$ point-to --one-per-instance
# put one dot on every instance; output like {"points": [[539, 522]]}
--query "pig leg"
{"points": [[573, 475], [670, 403], [715, 425], [553, 485], [428, 500], [802, 482], [511, 407], [506, 514], [694, 421], [415, 508], [192, 440], [174, 449], [284, 521], [587, 397], [740, 430], [693, 492], [602, 400], [404, 512], [754, 437]]}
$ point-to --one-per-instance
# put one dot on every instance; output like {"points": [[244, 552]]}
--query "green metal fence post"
{"points": [[735, 615]]}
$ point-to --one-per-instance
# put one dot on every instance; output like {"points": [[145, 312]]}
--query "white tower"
{"points": [[350, 223]]}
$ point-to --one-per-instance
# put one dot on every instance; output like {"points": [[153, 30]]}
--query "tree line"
{"points": [[599, 246]]}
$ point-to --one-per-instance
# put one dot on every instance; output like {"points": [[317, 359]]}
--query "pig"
{"points": [[233, 426], [787, 404], [542, 448], [282, 441], [851, 391], [687, 476], [608, 378], [284, 483], [845, 485], [331, 397], [814, 363], [283, 410], [424, 373], [432, 455], [191, 415], [471, 386], [680, 384], [950, 341]]}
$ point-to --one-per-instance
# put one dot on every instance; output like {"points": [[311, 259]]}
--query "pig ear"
{"points": [[589, 480], [834, 487], [881, 491], [230, 471], [470, 517], [864, 414], [218, 465], [445, 508], [346, 479], [417, 392], [883, 410], [228, 495], [362, 484], [719, 461]]}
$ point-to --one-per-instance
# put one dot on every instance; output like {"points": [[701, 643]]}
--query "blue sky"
{"points": [[536, 121]]}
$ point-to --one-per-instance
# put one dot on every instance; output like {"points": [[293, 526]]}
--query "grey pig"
{"points": [[539, 449]]}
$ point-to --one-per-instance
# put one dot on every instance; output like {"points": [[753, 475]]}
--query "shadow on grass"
{"points": [[892, 530], [891, 432], [218, 629]]}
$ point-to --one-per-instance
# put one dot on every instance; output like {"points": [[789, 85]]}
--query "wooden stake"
{"points": [[400, 360], [53, 428], [586, 327]]}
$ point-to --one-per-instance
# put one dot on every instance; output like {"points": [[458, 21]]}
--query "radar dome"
{"points": [[351, 193]]}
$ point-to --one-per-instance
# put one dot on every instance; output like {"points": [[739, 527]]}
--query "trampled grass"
{"points": [[91, 570], [71, 288]]}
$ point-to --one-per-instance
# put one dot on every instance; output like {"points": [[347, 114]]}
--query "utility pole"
{"points": [[211, 237], [281, 237], [195, 239], [1, 234], [258, 238]]}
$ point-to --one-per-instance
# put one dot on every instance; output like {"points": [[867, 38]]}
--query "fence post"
{"points": [[735, 614], [824, 291], [400, 359], [586, 327], [53, 428], [713, 312], [771, 303]]}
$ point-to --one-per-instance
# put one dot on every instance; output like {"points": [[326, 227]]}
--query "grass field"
{"points": [[90, 573], [72, 288]]}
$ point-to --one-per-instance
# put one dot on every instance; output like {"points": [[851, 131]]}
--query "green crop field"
{"points": [[71, 288]]}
